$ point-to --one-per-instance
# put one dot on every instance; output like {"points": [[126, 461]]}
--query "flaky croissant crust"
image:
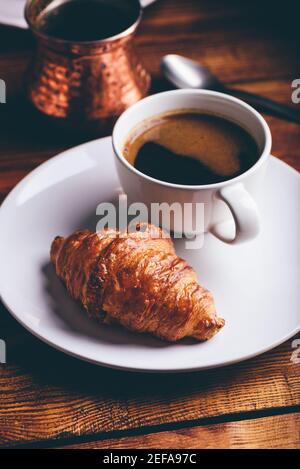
{"points": [[137, 280]]}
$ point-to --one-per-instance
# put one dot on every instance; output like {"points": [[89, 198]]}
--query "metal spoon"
{"points": [[186, 73]]}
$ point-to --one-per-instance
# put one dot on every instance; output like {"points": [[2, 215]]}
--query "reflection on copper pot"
{"points": [[85, 85]]}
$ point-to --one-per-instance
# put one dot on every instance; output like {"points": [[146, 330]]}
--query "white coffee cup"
{"points": [[224, 202]]}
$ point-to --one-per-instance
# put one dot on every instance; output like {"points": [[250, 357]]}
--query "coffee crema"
{"points": [[190, 148]]}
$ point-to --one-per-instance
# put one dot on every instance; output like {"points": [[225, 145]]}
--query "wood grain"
{"points": [[276, 432], [59, 397], [46, 396]]}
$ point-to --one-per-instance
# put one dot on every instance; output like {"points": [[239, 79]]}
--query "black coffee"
{"points": [[191, 149], [88, 20]]}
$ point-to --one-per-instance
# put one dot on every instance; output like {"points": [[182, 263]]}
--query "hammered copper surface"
{"points": [[86, 85]]}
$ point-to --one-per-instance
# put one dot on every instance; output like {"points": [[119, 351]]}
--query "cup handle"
{"points": [[244, 212]]}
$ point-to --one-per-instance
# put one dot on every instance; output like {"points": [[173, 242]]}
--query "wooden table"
{"points": [[49, 399]]}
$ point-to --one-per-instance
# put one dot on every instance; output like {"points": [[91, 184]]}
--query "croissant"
{"points": [[136, 279]]}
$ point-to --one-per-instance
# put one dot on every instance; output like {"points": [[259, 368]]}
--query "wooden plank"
{"points": [[45, 394], [276, 432], [272, 58], [228, 38]]}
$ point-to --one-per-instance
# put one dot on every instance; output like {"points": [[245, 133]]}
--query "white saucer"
{"points": [[12, 12], [255, 285]]}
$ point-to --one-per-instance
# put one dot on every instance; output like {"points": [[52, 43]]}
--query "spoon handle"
{"points": [[266, 105]]}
